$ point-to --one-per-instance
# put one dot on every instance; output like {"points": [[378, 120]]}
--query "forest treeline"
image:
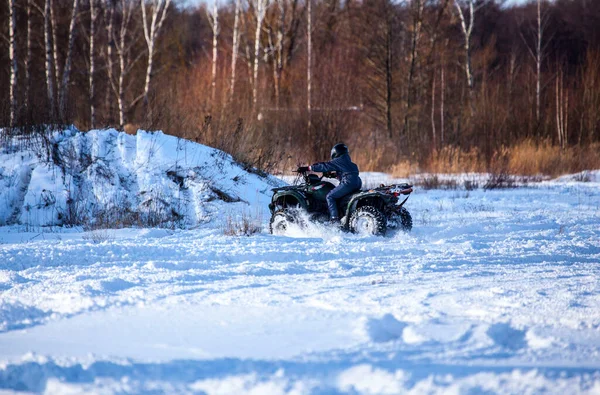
{"points": [[439, 85]]}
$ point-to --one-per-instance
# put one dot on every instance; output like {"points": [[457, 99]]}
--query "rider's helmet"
{"points": [[339, 150]]}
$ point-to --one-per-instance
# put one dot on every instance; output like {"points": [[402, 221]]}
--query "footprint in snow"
{"points": [[507, 337], [384, 329]]}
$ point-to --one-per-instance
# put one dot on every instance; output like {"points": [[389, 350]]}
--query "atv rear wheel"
{"points": [[401, 220], [282, 220], [367, 220]]}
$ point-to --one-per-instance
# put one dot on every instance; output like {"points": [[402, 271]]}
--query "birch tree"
{"points": [[467, 31], [538, 53], [562, 110], [234, 49], [93, 16], [27, 62], [276, 32], [260, 10], [56, 60], [49, 57], [110, 43], [158, 12], [417, 23], [309, 66], [64, 89], [13, 62], [213, 19], [123, 45]]}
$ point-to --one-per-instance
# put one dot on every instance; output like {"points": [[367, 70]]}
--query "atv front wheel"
{"points": [[367, 220], [282, 220]]}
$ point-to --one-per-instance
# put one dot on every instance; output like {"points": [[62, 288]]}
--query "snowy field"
{"points": [[492, 292]]}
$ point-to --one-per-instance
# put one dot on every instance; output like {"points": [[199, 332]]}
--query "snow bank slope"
{"points": [[105, 175]]}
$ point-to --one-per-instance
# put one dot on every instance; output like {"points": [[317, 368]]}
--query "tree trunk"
{"points": [[442, 95], [67, 70], [159, 12], [28, 59], [57, 71], [309, 68], [109, 58], [93, 16], [389, 80], [49, 59], [467, 33], [433, 131], [13, 62], [414, 54], [234, 50], [213, 18], [538, 62], [260, 10]]}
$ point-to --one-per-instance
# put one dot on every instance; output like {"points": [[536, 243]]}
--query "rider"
{"points": [[346, 172]]}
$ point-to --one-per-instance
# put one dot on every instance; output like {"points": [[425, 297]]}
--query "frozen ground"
{"points": [[492, 292]]}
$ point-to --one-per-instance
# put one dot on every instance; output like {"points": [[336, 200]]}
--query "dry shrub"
{"points": [[530, 158], [99, 236], [244, 225], [434, 182]]}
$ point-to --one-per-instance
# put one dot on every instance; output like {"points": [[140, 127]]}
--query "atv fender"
{"points": [[353, 203], [285, 193]]}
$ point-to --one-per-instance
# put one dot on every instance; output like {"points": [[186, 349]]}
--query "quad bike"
{"points": [[370, 212]]}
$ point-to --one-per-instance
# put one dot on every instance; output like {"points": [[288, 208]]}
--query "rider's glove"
{"points": [[302, 169]]}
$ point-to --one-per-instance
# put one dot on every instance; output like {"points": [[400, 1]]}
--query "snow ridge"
{"points": [[106, 175]]}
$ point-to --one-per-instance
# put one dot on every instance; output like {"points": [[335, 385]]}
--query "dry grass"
{"points": [[99, 236], [244, 225], [452, 159], [527, 158], [403, 169]]}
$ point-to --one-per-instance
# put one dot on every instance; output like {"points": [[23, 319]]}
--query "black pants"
{"points": [[339, 192]]}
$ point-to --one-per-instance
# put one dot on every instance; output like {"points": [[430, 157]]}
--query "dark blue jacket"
{"points": [[346, 170]]}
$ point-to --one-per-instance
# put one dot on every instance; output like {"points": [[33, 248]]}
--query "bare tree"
{"points": [[276, 31], [213, 19], [234, 49], [260, 10], [54, 24], [377, 35], [309, 66], [49, 56], [158, 11], [93, 16], [110, 21], [467, 30], [562, 110], [27, 62], [442, 95], [64, 89], [13, 62], [538, 53], [417, 23], [123, 46], [433, 131]]}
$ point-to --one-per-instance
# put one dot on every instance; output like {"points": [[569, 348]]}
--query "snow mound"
{"points": [[107, 177], [384, 329]]}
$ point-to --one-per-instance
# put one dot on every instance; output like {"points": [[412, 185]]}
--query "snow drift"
{"points": [[106, 177]]}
